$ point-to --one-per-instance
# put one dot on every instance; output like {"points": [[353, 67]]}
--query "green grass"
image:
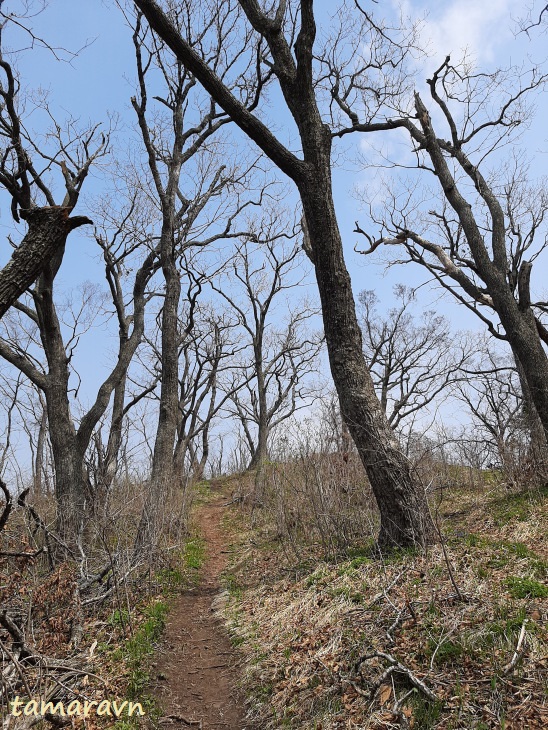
{"points": [[517, 507], [135, 653], [526, 588], [232, 586], [170, 579], [445, 653], [194, 554], [425, 713]]}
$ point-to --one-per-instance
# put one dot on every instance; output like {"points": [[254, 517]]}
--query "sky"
{"points": [[97, 82]]}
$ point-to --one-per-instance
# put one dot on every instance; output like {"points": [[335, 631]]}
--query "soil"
{"points": [[196, 668]]}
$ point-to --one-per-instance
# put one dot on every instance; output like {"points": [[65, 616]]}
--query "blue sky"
{"points": [[98, 82]]}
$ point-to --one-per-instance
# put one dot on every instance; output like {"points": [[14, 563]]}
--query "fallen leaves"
{"points": [[303, 637]]}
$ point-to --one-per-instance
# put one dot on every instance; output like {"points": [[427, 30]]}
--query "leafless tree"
{"points": [[492, 395], [178, 139], [328, 93], [482, 240], [70, 441], [25, 412], [206, 382], [25, 170], [280, 357], [412, 362], [23, 173]]}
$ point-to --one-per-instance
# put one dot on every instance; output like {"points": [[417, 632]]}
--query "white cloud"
{"points": [[478, 28]]}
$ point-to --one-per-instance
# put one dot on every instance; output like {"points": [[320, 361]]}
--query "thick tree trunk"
{"points": [[260, 454], [48, 231], [532, 366], [70, 488], [404, 513]]}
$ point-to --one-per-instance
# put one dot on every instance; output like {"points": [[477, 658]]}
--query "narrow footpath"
{"points": [[196, 665]]}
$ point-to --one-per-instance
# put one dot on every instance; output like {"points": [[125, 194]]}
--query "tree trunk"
{"points": [[48, 231], [404, 513], [260, 453], [68, 457], [163, 458], [537, 433], [40, 446]]}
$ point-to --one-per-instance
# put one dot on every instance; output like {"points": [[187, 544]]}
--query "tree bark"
{"points": [[162, 461], [405, 517], [47, 233], [40, 446], [68, 459]]}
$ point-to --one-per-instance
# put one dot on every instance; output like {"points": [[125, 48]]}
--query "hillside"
{"points": [[453, 638]]}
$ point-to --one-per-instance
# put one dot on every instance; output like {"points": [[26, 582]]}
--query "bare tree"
{"points": [[280, 356], [176, 140], [363, 79], [493, 398], [25, 169], [69, 441], [483, 239], [25, 412], [207, 381], [412, 362]]}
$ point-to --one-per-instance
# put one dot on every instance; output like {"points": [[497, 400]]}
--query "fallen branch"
{"points": [[399, 618], [17, 666], [382, 594], [397, 666], [13, 554], [519, 650], [17, 636]]}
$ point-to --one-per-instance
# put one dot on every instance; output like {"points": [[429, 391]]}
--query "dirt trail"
{"points": [[196, 664]]}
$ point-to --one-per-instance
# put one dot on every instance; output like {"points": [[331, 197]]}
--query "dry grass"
{"points": [[84, 638], [320, 637]]}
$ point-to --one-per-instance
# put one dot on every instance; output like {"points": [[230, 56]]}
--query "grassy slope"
{"points": [[319, 639]]}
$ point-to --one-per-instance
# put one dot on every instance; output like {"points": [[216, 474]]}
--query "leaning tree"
{"points": [[327, 93]]}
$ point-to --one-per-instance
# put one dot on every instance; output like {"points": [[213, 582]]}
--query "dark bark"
{"points": [[70, 492], [47, 233], [405, 518]]}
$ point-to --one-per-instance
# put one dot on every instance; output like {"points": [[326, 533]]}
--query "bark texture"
{"points": [[70, 492], [47, 233], [405, 517]]}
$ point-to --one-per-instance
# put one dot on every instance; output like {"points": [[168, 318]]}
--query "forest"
{"points": [[273, 365]]}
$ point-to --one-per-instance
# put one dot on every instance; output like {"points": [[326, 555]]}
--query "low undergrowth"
{"points": [[358, 640], [85, 630]]}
